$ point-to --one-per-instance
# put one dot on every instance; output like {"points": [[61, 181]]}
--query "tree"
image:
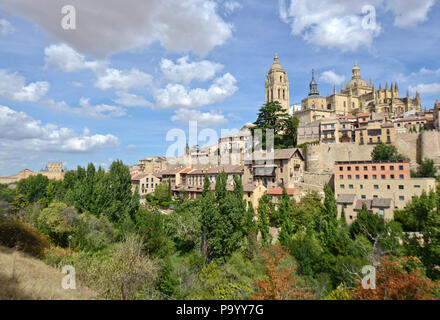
{"points": [[383, 152], [34, 187], [398, 279], [427, 169], [289, 139], [272, 116], [281, 281], [265, 207], [151, 226]]}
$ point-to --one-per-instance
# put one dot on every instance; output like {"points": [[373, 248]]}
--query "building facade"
{"points": [[277, 85]]}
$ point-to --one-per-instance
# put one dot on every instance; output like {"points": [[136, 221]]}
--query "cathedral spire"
{"points": [[313, 86]]}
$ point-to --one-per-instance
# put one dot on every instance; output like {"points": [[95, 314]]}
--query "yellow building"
{"points": [[376, 133], [277, 85], [357, 96]]}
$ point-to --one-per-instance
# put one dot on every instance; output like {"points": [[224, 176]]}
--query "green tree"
{"points": [[34, 187], [272, 116], [383, 152], [427, 169], [265, 207]]}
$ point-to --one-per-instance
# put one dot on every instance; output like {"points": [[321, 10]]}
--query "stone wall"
{"points": [[415, 146]]}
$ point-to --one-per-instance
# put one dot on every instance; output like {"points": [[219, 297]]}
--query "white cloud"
{"points": [[13, 86], [68, 60], [329, 23], [429, 88], [6, 27], [132, 100], [231, 6], [331, 77], [409, 13], [204, 119], [19, 130], [185, 72], [176, 95], [123, 79], [86, 109], [339, 24], [105, 27]]}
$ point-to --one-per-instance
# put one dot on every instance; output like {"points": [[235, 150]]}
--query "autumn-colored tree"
{"points": [[399, 279], [280, 282]]}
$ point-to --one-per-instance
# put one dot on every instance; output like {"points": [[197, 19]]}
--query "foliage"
{"points": [[383, 152], [58, 222], [272, 116], [427, 169], [7, 194], [33, 188], [265, 208], [150, 225], [281, 282], [15, 233], [398, 279], [162, 192]]}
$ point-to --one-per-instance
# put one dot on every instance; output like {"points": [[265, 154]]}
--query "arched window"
{"points": [[271, 95], [284, 94], [279, 94], [281, 78]]}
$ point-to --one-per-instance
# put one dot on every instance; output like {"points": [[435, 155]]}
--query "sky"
{"points": [[95, 81]]}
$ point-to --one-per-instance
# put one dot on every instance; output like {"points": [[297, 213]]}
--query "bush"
{"points": [[15, 233]]}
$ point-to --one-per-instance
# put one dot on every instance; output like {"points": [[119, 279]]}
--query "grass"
{"points": [[23, 277]]}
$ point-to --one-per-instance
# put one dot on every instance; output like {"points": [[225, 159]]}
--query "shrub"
{"points": [[15, 233]]}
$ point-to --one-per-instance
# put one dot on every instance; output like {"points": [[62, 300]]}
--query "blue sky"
{"points": [[131, 71]]}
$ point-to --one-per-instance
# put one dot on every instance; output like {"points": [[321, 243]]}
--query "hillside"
{"points": [[23, 277]]}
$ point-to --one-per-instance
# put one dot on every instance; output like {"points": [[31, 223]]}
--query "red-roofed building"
{"points": [[276, 193]]}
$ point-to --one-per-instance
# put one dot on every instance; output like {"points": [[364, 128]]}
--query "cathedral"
{"points": [[356, 97]]}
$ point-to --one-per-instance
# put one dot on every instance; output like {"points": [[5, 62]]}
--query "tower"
{"points": [[277, 85], [314, 92]]}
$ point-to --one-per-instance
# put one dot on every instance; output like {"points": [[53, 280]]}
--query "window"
{"points": [[388, 187], [401, 176], [349, 177], [401, 187], [417, 186], [392, 176], [374, 177], [348, 168], [375, 196], [365, 168], [361, 186], [383, 176], [152, 179], [341, 176], [341, 168], [400, 168], [351, 186], [391, 167], [381, 212], [357, 177], [382, 168], [376, 187], [363, 197], [402, 198], [342, 186], [147, 179], [366, 177], [374, 168], [147, 185]]}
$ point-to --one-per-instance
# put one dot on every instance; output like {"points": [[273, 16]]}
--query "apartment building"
{"points": [[375, 133], [153, 164], [284, 169], [382, 182], [145, 183], [196, 178]]}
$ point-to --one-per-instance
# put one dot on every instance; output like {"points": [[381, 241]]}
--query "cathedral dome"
{"points": [[276, 64], [356, 80]]}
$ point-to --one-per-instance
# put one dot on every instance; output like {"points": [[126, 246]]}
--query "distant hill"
{"points": [[23, 277]]}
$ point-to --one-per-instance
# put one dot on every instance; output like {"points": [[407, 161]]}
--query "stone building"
{"points": [[285, 168], [379, 184], [437, 115], [277, 85], [54, 171], [356, 97]]}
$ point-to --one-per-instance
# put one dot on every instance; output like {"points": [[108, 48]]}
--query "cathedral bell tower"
{"points": [[277, 85]]}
